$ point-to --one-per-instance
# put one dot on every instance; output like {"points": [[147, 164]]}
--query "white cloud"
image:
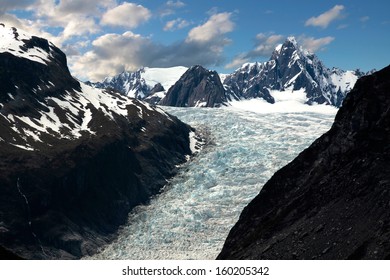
{"points": [[73, 18], [217, 25], [265, 45], [314, 45], [113, 53], [29, 26], [238, 61], [326, 18], [78, 27], [110, 55], [364, 19], [127, 15], [170, 8], [58, 12], [175, 4], [84, 6], [175, 24]]}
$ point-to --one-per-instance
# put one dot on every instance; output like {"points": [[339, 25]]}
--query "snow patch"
{"points": [[14, 45], [167, 77], [285, 102]]}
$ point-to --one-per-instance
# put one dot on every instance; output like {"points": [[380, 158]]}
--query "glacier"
{"points": [[192, 216]]}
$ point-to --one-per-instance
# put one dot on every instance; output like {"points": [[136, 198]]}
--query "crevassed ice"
{"points": [[193, 216]]}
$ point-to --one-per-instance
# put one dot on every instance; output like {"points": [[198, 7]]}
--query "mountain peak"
{"points": [[291, 67], [20, 44], [291, 39], [197, 87]]}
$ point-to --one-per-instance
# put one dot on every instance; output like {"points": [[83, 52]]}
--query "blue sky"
{"points": [[104, 37]]}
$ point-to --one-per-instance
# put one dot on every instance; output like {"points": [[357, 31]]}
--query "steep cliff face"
{"points": [[332, 201], [74, 160], [198, 87]]}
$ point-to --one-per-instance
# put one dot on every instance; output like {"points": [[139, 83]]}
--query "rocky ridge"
{"points": [[292, 68]]}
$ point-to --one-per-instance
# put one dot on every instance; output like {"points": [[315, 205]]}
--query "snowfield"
{"points": [[194, 214]]}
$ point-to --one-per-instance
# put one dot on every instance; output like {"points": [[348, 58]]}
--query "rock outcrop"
{"points": [[198, 87], [332, 201]]}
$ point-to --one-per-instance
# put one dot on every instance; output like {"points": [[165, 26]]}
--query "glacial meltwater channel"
{"points": [[195, 212]]}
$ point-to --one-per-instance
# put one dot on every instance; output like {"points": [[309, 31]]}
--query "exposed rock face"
{"points": [[156, 94], [73, 160], [332, 201], [198, 87], [292, 68]]}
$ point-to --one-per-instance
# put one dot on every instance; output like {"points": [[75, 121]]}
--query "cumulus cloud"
{"points": [[72, 18], [57, 12], [313, 45], [114, 53], [217, 25], [265, 44], [127, 15], [175, 24], [326, 18]]}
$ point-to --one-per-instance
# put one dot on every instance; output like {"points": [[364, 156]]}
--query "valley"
{"points": [[193, 215]]}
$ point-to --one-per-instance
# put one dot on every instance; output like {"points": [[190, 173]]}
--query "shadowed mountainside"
{"points": [[332, 201]]}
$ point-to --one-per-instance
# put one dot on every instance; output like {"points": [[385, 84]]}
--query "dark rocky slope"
{"points": [[73, 160], [332, 201], [198, 87]]}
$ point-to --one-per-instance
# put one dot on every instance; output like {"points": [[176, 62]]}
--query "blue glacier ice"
{"points": [[191, 218]]}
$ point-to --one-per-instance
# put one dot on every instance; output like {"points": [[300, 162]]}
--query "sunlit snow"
{"points": [[15, 46], [192, 217], [167, 77]]}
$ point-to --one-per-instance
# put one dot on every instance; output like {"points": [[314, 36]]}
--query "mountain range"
{"points": [[290, 68], [74, 160]]}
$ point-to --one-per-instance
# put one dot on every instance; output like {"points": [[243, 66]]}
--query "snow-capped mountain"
{"points": [[74, 160], [292, 68], [146, 83]]}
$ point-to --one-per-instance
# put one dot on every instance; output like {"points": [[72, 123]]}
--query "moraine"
{"points": [[192, 217]]}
